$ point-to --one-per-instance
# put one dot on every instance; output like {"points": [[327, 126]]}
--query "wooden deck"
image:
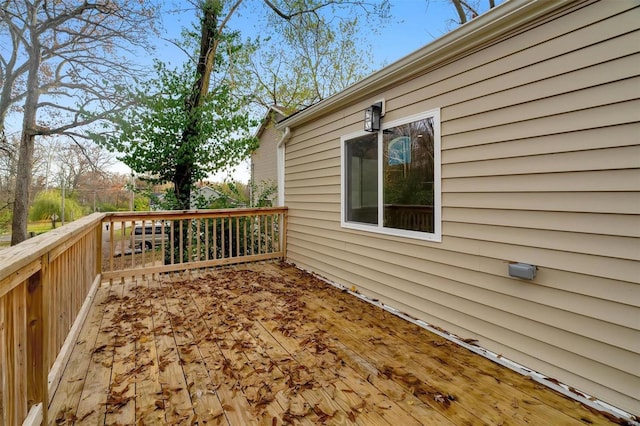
{"points": [[268, 344]]}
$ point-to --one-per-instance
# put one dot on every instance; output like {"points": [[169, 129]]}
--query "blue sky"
{"points": [[413, 24]]}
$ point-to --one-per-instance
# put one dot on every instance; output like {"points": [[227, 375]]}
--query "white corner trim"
{"points": [[280, 157]]}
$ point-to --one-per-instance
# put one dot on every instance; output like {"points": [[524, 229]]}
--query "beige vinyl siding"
{"points": [[264, 160], [540, 164]]}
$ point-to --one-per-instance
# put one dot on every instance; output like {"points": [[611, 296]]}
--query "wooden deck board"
{"points": [[266, 344]]}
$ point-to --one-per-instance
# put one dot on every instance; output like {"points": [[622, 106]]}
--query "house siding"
{"points": [[540, 164], [264, 160]]}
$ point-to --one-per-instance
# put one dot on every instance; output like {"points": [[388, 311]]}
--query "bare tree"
{"points": [[83, 161], [8, 167], [64, 70], [469, 9], [312, 56]]}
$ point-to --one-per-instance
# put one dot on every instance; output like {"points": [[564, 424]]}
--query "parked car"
{"points": [[150, 235]]}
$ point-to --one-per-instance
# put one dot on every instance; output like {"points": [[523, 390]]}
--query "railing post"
{"points": [[13, 354], [37, 347], [99, 249], [283, 236]]}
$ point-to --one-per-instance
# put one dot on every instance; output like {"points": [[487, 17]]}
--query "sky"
{"points": [[413, 24]]}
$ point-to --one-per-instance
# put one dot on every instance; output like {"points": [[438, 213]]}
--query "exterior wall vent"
{"points": [[522, 270]]}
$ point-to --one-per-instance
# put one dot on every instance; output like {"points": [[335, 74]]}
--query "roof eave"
{"points": [[508, 16]]}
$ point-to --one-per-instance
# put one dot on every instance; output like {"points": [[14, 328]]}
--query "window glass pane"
{"points": [[408, 168], [362, 179]]}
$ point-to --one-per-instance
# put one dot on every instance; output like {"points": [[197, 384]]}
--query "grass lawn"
{"points": [[40, 227]]}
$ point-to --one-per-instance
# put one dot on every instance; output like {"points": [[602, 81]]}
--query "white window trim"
{"points": [[436, 236]]}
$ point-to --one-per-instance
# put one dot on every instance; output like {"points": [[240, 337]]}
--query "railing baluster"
{"points": [[259, 234], [230, 231], [228, 236], [206, 238], [198, 245], [222, 241], [181, 243], [215, 238], [189, 254], [238, 236]]}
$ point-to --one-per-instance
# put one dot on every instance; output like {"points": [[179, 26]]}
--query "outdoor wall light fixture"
{"points": [[372, 117]]}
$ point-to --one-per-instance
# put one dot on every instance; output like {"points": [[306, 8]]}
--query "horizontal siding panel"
{"points": [[612, 93], [327, 152], [588, 223], [293, 199], [315, 138], [327, 163], [312, 174], [609, 180], [580, 202], [528, 66], [627, 316], [396, 287], [320, 145], [314, 190], [598, 159], [322, 220], [604, 137], [622, 113], [321, 207], [304, 183], [598, 245], [558, 82]]}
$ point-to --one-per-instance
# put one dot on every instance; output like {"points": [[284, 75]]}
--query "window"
{"points": [[391, 179]]}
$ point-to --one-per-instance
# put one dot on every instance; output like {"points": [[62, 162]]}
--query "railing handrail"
{"points": [[14, 258], [178, 214], [136, 264]]}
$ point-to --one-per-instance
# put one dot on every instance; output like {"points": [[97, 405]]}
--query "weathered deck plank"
{"points": [[72, 383], [267, 344]]}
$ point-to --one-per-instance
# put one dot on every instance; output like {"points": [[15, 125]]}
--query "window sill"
{"points": [[416, 235]]}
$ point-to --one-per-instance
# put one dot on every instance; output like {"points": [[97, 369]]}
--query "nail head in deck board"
{"points": [[242, 320]]}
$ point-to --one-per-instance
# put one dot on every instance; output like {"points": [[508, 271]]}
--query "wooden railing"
{"points": [[47, 283], [44, 282], [410, 217], [152, 242]]}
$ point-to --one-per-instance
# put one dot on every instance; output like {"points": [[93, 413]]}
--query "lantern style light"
{"points": [[372, 117]]}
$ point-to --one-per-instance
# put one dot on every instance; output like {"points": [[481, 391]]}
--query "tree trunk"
{"points": [[183, 177], [27, 142]]}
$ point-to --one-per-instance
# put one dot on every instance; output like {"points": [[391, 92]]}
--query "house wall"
{"points": [[540, 164], [263, 160]]}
